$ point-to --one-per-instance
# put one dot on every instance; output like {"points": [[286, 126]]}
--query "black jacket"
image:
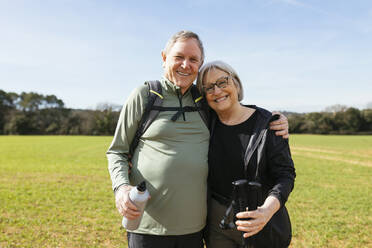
{"points": [[275, 171]]}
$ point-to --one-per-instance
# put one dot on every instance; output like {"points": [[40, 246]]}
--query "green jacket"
{"points": [[171, 157]]}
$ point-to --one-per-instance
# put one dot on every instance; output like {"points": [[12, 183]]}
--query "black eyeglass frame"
{"points": [[220, 85]]}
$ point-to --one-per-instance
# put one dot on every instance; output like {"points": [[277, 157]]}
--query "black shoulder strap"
{"points": [[155, 98], [260, 131], [154, 106], [201, 105]]}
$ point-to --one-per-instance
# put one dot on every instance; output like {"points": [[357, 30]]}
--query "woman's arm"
{"points": [[281, 173], [280, 167]]}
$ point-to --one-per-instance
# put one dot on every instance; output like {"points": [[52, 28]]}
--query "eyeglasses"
{"points": [[220, 83]]}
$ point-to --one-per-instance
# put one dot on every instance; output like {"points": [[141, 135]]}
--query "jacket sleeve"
{"points": [[280, 167], [126, 128]]}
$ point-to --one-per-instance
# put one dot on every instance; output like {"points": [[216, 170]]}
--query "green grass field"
{"points": [[55, 191]]}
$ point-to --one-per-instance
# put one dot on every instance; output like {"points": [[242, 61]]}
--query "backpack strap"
{"points": [[178, 110], [200, 104], [154, 106], [155, 98]]}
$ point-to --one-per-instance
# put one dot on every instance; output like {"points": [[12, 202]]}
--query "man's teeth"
{"points": [[183, 74], [220, 99]]}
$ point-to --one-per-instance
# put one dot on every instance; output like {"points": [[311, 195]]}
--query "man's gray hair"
{"points": [[184, 35], [220, 65]]}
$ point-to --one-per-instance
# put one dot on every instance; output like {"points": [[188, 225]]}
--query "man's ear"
{"points": [[164, 57]]}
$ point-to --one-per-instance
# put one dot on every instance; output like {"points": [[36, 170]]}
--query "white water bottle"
{"points": [[139, 196]]}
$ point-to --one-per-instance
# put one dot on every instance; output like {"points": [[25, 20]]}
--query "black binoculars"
{"points": [[246, 195]]}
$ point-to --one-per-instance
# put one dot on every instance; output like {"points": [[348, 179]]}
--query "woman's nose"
{"points": [[217, 90]]}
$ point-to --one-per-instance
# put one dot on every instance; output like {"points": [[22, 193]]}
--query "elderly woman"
{"points": [[242, 147]]}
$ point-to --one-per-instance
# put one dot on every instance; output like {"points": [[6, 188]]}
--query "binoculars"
{"points": [[246, 195]]}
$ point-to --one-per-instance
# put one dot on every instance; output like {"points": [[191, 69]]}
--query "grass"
{"points": [[55, 191], [331, 203]]}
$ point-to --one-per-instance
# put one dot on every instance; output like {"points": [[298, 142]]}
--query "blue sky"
{"points": [[292, 55]]}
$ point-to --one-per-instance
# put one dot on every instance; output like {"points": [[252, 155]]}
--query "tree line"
{"points": [[336, 119], [33, 113]]}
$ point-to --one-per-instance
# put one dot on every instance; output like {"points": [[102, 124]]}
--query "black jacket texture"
{"points": [[274, 170]]}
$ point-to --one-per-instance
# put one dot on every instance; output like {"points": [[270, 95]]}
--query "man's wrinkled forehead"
{"points": [[181, 39]]}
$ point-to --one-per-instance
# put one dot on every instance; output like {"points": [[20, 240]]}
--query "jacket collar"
{"points": [[171, 87], [263, 119]]}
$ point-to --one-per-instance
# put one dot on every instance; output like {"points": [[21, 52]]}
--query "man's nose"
{"points": [[185, 63]]}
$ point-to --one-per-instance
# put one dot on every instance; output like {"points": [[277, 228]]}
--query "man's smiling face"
{"points": [[182, 62]]}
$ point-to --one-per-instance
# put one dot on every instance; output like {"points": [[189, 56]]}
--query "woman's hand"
{"points": [[259, 217]]}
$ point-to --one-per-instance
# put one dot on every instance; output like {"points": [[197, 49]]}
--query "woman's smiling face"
{"points": [[223, 98]]}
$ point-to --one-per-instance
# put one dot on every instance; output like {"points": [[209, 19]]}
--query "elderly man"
{"points": [[171, 156]]}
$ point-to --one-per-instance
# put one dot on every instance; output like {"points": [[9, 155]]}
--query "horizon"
{"points": [[291, 55], [117, 107]]}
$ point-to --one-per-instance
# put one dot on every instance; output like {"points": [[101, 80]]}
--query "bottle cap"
{"points": [[142, 186]]}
